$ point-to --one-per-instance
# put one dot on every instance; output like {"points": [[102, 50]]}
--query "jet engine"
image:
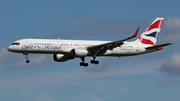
{"points": [[61, 57], [79, 53]]}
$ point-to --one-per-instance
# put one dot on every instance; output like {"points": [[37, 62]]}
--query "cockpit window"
{"points": [[16, 43]]}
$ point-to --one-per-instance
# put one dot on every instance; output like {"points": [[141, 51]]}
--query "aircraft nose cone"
{"points": [[10, 48]]}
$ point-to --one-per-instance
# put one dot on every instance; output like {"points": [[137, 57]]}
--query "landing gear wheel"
{"points": [[27, 61], [83, 64], [94, 62]]}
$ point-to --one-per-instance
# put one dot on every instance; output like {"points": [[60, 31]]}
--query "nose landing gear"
{"points": [[27, 61], [26, 57]]}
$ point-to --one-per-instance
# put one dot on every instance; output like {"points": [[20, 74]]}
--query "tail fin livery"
{"points": [[149, 36]]}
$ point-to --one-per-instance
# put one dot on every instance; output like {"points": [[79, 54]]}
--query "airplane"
{"points": [[64, 50]]}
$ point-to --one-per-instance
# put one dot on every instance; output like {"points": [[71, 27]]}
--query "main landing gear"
{"points": [[94, 61], [86, 64], [82, 63], [26, 57]]}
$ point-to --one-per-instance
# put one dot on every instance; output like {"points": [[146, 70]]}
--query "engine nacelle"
{"points": [[79, 53], [61, 57]]}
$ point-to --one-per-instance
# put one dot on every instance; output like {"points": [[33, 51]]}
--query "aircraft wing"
{"points": [[102, 48], [159, 47]]}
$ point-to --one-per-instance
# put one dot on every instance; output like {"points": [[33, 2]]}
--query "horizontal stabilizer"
{"points": [[159, 47]]}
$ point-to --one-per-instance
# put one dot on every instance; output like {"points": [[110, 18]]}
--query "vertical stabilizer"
{"points": [[149, 36]]}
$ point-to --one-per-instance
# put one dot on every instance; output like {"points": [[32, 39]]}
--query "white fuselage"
{"points": [[58, 46]]}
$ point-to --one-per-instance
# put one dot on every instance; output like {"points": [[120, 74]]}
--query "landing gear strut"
{"points": [[82, 63], [26, 57]]}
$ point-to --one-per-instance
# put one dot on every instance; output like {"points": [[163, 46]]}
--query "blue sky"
{"points": [[150, 77]]}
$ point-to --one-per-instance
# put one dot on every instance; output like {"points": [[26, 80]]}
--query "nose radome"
{"points": [[9, 48]]}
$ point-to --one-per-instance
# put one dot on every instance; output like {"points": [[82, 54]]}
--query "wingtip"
{"points": [[136, 32], [170, 43]]}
